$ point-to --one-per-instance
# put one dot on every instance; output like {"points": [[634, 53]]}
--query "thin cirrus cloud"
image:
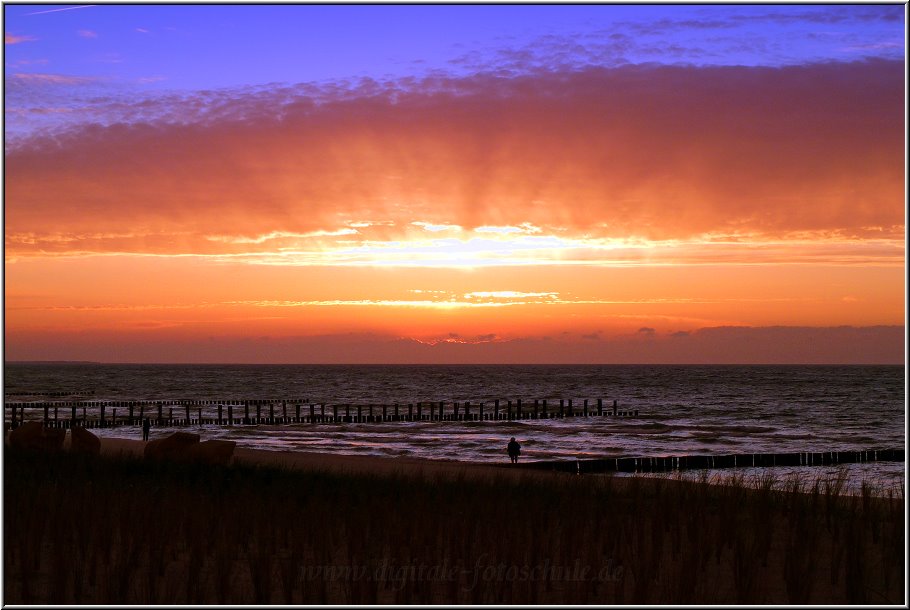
{"points": [[478, 299], [435, 228], [28, 62], [44, 79], [16, 39], [588, 162], [58, 10]]}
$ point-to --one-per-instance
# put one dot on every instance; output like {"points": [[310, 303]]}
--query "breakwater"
{"points": [[191, 412], [711, 462]]}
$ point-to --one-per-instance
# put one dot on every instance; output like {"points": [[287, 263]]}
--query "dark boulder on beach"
{"points": [[33, 436], [174, 447], [83, 441], [212, 452]]}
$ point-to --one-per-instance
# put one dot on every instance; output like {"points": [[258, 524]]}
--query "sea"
{"points": [[682, 410]]}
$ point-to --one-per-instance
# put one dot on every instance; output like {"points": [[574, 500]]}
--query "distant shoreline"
{"points": [[464, 364]]}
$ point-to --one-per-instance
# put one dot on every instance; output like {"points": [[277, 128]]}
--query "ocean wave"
{"points": [[682, 410]]}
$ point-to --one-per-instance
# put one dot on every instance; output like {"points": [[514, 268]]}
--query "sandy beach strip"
{"points": [[360, 464], [407, 466]]}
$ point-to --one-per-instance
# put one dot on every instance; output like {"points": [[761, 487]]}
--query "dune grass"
{"points": [[84, 530]]}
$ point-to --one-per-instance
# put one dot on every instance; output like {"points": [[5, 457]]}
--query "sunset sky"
{"points": [[593, 183]]}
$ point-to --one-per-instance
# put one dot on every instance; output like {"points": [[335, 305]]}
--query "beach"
{"points": [[343, 464], [704, 410], [303, 527]]}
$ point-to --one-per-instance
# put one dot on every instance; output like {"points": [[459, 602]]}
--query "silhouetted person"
{"points": [[514, 450], [146, 426]]}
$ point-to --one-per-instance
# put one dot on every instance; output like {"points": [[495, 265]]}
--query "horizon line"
{"points": [[108, 363]]}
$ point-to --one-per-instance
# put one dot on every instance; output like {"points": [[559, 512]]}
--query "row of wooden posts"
{"points": [[705, 462], [431, 411]]}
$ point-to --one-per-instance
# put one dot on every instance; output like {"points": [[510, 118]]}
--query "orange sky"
{"points": [[591, 209]]}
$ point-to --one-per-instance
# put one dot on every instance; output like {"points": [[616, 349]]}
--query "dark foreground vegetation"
{"points": [[89, 530]]}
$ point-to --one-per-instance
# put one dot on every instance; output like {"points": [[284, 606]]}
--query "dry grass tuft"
{"points": [[87, 530]]}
